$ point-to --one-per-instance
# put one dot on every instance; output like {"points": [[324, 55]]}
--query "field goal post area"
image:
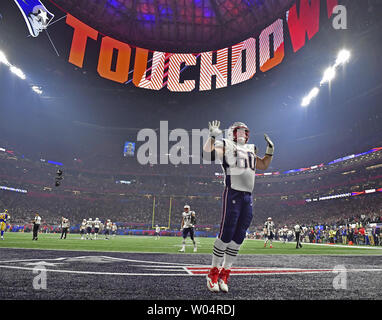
{"points": [[162, 211]]}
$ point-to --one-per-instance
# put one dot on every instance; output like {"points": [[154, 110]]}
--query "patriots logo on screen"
{"points": [[36, 15]]}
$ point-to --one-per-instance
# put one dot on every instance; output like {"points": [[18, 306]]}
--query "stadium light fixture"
{"points": [[18, 72], [37, 89], [3, 59], [305, 101], [343, 57], [312, 94], [329, 75]]}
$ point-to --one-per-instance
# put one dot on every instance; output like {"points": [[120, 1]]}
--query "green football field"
{"points": [[170, 245]]}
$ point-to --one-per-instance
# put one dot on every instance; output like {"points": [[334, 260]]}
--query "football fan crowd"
{"points": [[333, 223]]}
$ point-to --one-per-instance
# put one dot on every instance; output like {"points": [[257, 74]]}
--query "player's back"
{"points": [[269, 225]]}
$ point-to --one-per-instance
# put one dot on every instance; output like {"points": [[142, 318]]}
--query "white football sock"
{"points": [[218, 253], [230, 254]]}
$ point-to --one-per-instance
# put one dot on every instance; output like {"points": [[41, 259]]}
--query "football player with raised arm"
{"points": [[188, 224], [239, 161]]}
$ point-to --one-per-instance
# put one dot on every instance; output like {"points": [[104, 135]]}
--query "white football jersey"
{"points": [[157, 229], [239, 165], [83, 225], [89, 223], [270, 226], [187, 219], [97, 224], [109, 225]]}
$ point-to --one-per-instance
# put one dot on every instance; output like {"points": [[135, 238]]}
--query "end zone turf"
{"points": [[172, 245]]}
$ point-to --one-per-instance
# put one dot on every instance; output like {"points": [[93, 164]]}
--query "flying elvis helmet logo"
{"points": [[36, 15]]}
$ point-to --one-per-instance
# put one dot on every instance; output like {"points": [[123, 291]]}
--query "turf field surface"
{"points": [[148, 244]]}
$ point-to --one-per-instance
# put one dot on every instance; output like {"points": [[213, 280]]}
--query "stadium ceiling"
{"points": [[186, 26]]}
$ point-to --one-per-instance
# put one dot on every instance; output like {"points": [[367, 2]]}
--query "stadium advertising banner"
{"points": [[156, 70]]}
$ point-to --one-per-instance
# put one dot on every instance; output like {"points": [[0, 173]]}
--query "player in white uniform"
{"points": [[188, 224], [89, 228], [289, 235], [157, 232], [97, 225], [239, 162], [114, 229], [284, 234], [83, 228], [108, 229], [269, 229]]}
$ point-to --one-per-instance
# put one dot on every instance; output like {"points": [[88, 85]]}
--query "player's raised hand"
{"points": [[213, 127], [271, 147]]}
